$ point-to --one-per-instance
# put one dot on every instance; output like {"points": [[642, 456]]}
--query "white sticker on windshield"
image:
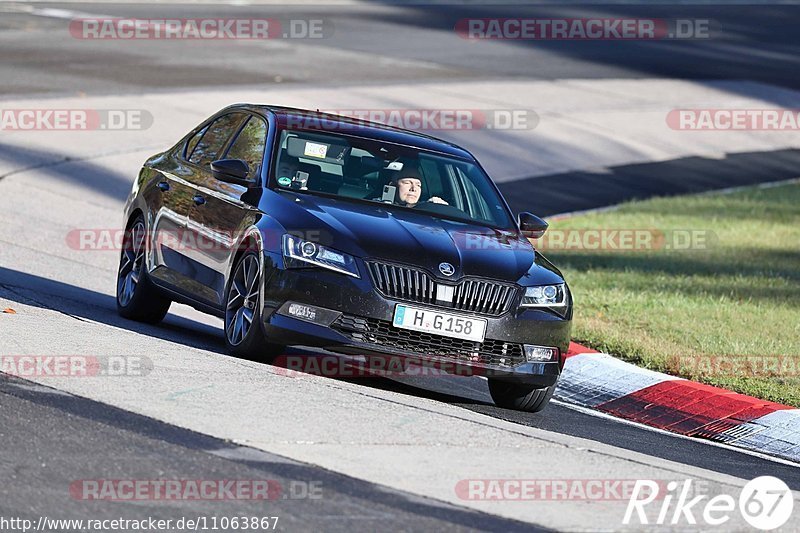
{"points": [[316, 150]]}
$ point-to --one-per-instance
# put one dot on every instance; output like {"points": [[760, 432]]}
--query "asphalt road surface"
{"points": [[387, 453], [376, 42]]}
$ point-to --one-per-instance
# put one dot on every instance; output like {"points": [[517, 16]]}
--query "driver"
{"points": [[409, 190]]}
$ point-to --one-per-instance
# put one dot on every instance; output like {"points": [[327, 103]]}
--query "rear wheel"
{"points": [[244, 334], [137, 297], [520, 397]]}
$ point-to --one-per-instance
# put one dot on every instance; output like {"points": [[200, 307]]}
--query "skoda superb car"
{"points": [[298, 228]]}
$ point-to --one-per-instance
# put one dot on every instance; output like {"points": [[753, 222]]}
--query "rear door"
{"points": [[170, 200], [176, 253], [222, 210]]}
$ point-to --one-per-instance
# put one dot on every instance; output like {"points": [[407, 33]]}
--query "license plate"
{"points": [[446, 324]]}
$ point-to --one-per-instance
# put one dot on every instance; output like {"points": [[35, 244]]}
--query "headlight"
{"points": [[545, 296], [297, 250]]}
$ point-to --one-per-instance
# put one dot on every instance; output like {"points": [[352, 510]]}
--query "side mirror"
{"points": [[231, 171], [532, 226]]}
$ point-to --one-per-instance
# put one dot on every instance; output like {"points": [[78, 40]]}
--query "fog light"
{"points": [[537, 354], [306, 312], [309, 313]]}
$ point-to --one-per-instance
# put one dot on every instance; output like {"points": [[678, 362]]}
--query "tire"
{"points": [[520, 397], [244, 334], [137, 298]]}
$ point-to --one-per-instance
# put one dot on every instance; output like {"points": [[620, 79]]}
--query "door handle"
{"points": [[163, 185], [199, 200]]}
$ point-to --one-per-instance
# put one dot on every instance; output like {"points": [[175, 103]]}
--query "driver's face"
{"points": [[409, 190]]}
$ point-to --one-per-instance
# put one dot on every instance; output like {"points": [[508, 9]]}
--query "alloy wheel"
{"points": [[242, 300], [130, 264]]}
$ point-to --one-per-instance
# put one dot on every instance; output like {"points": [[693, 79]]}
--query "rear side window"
{"points": [[215, 139], [193, 142], [249, 145]]}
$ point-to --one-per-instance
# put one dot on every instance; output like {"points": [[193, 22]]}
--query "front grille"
{"points": [[383, 333], [415, 285]]}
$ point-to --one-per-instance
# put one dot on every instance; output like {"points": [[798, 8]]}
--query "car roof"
{"points": [[365, 128]]}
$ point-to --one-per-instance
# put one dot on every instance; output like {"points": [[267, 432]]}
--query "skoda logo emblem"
{"points": [[447, 269]]}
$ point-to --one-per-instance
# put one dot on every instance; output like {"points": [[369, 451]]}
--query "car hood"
{"points": [[375, 231]]}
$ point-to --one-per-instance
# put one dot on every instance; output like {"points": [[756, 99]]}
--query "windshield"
{"points": [[403, 176]]}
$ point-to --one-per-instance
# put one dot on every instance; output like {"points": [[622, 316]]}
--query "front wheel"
{"points": [[520, 397], [243, 332]]}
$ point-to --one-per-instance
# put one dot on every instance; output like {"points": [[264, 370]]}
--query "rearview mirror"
{"points": [[532, 226], [231, 171]]}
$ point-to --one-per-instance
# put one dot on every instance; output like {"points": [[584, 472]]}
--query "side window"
{"points": [[193, 142], [215, 139], [249, 145]]}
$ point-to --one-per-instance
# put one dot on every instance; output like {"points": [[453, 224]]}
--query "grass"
{"points": [[726, 312]]}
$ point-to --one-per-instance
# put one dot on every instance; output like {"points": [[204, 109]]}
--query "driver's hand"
{"points": [[437, 200]]}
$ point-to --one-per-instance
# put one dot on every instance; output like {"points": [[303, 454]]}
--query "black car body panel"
{"points": [[178, 196]]}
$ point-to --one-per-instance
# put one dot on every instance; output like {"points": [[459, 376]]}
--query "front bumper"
{"points": [[352, 318]]}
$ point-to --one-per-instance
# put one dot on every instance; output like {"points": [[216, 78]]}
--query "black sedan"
{"points": [[301, 228]]}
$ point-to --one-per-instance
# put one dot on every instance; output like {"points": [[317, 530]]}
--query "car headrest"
{"points": [[352, 169], [313, 170], [356, 167]]}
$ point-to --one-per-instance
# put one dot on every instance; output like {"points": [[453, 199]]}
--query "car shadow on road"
{"points": [[81, 172], [86, 304], [82, 303]]}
